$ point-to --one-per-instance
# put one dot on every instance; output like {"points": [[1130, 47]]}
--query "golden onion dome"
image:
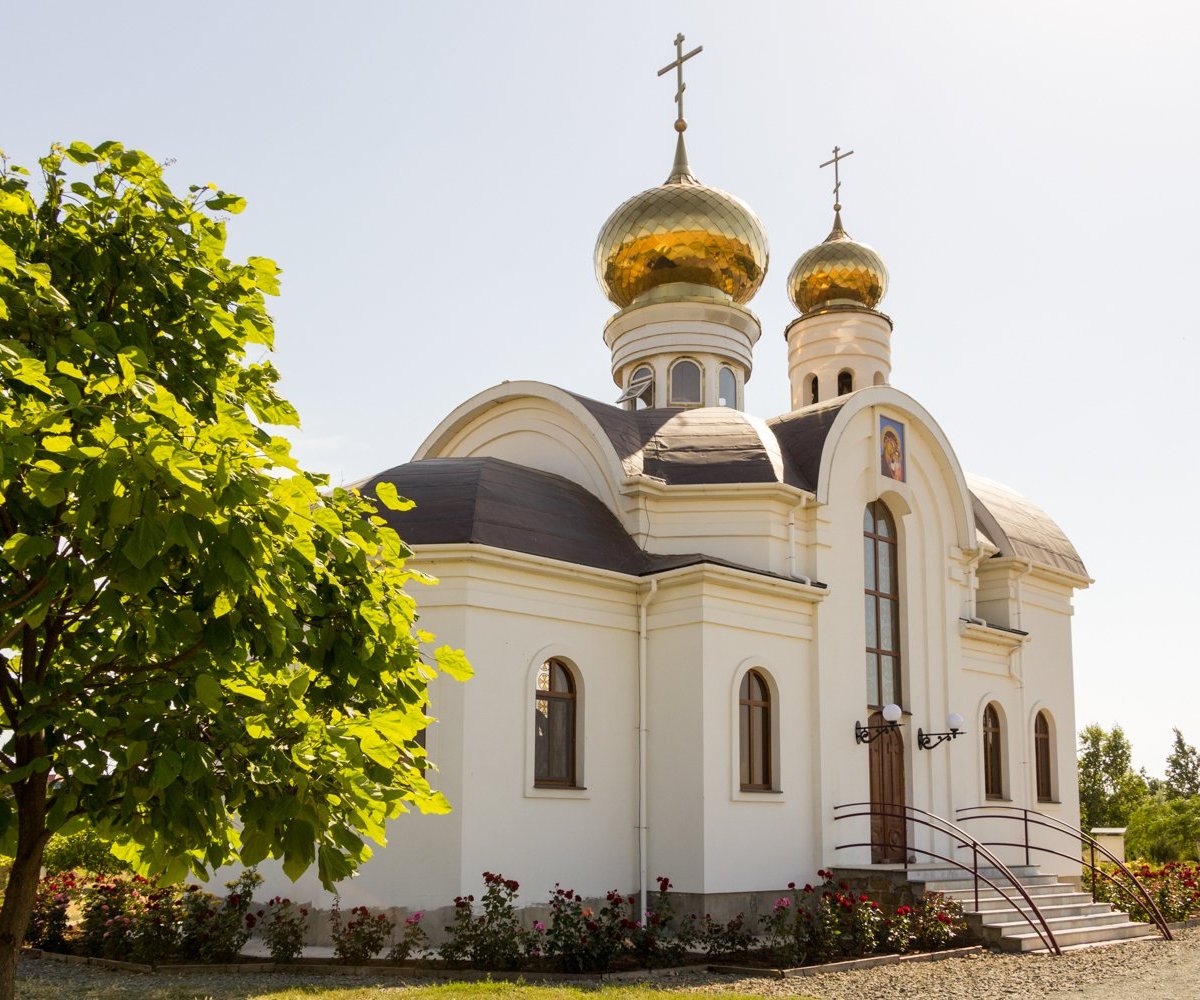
{"points": [[838, 272], [681, 233]]}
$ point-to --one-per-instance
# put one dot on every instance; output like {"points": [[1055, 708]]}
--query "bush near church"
{"points": [[126, 917]]}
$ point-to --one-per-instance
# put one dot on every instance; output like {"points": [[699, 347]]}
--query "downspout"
{"points": [[791, 559], [643, 644], [1018, 655]]}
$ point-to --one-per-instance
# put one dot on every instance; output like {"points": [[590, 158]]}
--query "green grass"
{"points": [[42, 984]]}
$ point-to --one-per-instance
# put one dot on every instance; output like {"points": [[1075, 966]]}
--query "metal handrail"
{"points": [[916, 815], [1056, 824]]}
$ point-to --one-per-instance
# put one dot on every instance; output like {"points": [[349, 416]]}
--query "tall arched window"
{"points": [[685, 384], [754, 716], [554, 704], [727, 388], [1041, 757], [845, 382], [993, 754], [814, 395], [882, 604]]}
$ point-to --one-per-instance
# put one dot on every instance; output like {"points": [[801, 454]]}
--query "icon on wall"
{"points": [[891, 449]]}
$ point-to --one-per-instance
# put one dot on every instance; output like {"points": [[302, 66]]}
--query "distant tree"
{"points": [[1109, 788], [205, 654], [1183, 769], [1164, 830]]}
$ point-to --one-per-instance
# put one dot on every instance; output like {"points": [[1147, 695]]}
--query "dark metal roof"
{"points": [[498, 503], [801, 436], [710, 445], [489, 501], [1026, 531]]}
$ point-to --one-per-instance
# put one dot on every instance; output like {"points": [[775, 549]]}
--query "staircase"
{"points": [[1072, 917]]}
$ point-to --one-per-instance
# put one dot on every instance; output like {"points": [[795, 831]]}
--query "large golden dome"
{"points": [[681, 232], [838, 272]]}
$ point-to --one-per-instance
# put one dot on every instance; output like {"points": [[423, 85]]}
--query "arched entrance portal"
{"points": [[888, 826]]}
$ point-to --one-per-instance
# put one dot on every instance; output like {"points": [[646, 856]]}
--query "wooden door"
{"points": [[888, 825]]}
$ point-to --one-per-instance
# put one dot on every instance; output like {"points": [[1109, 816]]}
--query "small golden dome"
{"points": [[681, 232], [838, 272]]}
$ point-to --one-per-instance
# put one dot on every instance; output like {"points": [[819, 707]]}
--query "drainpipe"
{"points": [[791, 562], [643, 603], [1018, 655]]}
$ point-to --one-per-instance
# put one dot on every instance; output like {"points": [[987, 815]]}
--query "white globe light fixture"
{"points": [[954, 726]]}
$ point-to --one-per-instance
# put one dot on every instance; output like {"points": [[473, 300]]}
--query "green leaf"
{"points": [[167, 766], [146, 540], [238, 686], [81, 152], [453, 662], [386, 492], [222, 605], [209, 692], [226, 203]]}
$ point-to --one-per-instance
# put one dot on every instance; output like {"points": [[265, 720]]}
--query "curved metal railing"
{"points": [[1134, 890], [912, 814]]}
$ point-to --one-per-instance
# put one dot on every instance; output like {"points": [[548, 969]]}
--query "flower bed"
{"points": [[1174, 887], [125, 918]]}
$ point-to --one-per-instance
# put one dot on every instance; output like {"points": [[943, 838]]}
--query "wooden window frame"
{"points": [[555, 698], [1043, 769], [993, 753], [889, 546], [755, 728]]}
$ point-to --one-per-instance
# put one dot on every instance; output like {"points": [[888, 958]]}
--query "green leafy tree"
{"points": [[205, 653], [1165, 830], [1183, 769], [1109, 788]]}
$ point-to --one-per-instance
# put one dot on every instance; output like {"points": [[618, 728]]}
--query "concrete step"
{"points": [[966, 895], [994, 901], [1016, 925], [1009, 915], [1076, 937], [948, 873], [1073, 919]]}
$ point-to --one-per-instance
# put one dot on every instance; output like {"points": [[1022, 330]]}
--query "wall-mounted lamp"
{"points": [[891, 722], [927, 741]]}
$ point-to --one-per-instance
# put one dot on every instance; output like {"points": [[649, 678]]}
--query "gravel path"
{"points": [[1160, 970], [1143, 970]]}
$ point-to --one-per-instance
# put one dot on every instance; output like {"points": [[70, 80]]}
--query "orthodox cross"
{"points": [[838, 155], [680, 86]]}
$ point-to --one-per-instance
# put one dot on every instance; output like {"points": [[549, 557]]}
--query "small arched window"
{"points": [[1041, 757], [685, 384], [814, 395], [845, 382], [993, 754], [555, 705], [754, 724], [727, 388], [639, 391]]}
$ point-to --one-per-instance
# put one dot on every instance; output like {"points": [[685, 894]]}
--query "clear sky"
{"points": [[432, 177]]}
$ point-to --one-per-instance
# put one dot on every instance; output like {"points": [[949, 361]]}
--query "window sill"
{"points": [[557, 792], [757, 795]]}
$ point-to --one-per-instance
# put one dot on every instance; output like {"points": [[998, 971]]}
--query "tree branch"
{"points": [[28, 594]]}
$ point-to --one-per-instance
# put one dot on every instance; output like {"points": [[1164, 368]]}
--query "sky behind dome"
{"points": [[432, 177]]}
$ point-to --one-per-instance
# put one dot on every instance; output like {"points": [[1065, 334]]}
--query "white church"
{"points": [[691, 627]]}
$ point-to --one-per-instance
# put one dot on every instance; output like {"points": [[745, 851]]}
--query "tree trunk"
{"points": [[22, 886]]}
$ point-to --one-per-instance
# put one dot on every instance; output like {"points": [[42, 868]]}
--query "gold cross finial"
{"points": [[838, 155], [680, 86]]}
